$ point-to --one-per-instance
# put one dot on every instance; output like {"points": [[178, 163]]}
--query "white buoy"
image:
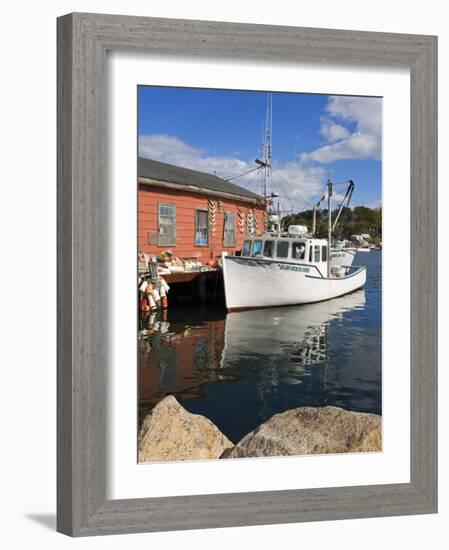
{"points": [[143, 286], [164, 285], [156, 295], [151, 302]]}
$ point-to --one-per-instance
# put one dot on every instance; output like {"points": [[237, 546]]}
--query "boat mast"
{"points": [[266, 162], [346, 199], [329, 226], [267, 146], [315, 208]]}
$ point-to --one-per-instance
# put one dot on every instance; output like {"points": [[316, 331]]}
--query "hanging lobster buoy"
{"points": [[164, 285], [164, 300], [149, 288], [156, 296], [152, 303], [143, 305], [212, 209], [143, 286]]}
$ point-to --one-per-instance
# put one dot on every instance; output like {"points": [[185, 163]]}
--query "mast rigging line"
{"points": [[244, 174], [247, 185], [341, 182], [287, 194], [323, 194], [305, 201]]}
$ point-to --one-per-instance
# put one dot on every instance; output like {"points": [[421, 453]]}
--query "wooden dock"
{"points": [[195, 284]]}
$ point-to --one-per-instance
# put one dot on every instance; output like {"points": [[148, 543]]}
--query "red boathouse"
{"points": [[196, 215]]}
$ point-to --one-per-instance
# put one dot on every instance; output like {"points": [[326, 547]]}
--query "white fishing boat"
{"points": [[293, 267], [288, 268], [280, 270]]}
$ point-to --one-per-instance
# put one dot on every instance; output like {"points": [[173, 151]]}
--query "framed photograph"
{"points": [[247, 274]]}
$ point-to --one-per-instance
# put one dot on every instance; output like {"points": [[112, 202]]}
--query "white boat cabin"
{"points": [[288, 249]]}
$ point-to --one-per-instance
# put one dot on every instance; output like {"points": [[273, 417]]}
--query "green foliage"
{"points": [[352, 221]]}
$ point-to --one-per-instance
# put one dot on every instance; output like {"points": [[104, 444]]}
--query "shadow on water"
{"points": [[239, 369]]}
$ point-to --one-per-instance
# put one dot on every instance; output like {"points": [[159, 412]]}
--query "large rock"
{"points": [[310, 430], [169, 432]]}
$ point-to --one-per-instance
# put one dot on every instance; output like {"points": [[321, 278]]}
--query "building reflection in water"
{"points": [[185, 352]]}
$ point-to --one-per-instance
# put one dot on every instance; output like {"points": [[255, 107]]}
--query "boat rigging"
{"points": [[293, 267]]}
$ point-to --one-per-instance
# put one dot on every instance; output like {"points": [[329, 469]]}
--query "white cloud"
{"points": [[332, 131], [362, 142], [366, 112], [297, 185], [356, 146], [175, 151]]}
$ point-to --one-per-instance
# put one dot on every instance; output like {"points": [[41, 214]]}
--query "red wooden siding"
{"points": [[186, 203]]}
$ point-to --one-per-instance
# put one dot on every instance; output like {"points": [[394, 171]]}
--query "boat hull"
{"points": [[251, 283]]}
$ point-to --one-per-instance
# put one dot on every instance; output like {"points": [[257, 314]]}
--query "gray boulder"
{"points": [[312, 430], [170, 433]]}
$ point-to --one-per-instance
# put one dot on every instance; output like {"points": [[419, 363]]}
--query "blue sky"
{"points": [[221, 132]]}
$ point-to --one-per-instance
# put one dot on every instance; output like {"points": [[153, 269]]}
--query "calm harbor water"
{"points": [[238, 369]]}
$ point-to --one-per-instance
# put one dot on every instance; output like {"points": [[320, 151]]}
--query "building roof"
{"points": [[161, 171]]}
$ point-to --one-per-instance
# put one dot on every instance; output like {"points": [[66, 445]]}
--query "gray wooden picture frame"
{"points": [[83, 41]]}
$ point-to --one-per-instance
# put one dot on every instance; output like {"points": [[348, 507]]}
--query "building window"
{"points": [[166, 225], [282, 249], [229, 229], [201, 228]]}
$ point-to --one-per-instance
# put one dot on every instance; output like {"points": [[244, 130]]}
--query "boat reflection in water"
{"points": [[238, 369], [301, 331]]}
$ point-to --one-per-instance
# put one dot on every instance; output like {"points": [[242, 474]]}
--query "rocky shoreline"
{"points": [[170, 433]]}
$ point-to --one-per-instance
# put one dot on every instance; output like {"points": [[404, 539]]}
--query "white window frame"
{"points": [[159, 225]]}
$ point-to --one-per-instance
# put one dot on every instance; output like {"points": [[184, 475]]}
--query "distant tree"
{"points": [[352, 221]]}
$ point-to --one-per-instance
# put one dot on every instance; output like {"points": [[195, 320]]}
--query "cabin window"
{"points": [[324, 253], [246, 250], [166, 225], [229, 229], [268, 249], [298, 251], [201, 228], [257, 248], [317, 253], [310, 253], [282, 249]]}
